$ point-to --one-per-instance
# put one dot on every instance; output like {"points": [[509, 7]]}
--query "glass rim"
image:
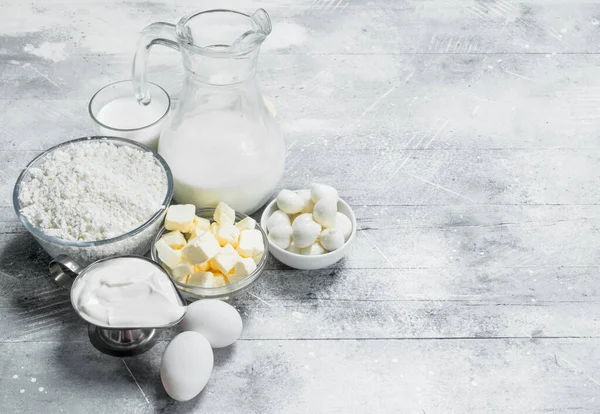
{"points": [[93, 243], [101, 124], [207, 51]]}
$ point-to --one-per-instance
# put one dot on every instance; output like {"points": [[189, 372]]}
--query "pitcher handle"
{"points": [[159, 33]]}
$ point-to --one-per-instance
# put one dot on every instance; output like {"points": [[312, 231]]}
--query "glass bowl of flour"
{"points": [[94, 197]]}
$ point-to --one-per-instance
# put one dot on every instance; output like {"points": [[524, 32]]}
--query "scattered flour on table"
{"points": [[15, 376], [33, 380], [90, 191], [49, 51]]}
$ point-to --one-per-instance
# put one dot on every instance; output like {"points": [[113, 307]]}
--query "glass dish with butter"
{"points": [[210, 253]]}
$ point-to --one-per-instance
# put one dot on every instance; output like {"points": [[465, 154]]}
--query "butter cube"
{"points": [[251, 243], [196, 231], [202, 267], [257, 258], [225, 260], [174, 239], [183, 279], [181, 271], [202, 279], [246, 224], [228, 234], [219, 280], [224, 214], [167, 255], [242, 269], [201, 248], [214, 228], [202, 223], [180, 217]]}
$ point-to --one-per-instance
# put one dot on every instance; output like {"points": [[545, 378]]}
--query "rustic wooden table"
{"points": [[464, 133]]}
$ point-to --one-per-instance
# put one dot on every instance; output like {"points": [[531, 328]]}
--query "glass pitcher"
{"points": [[221, 141]]}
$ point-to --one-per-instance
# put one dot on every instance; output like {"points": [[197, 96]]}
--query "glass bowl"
{"points": [[191, 292], [135, 242]]}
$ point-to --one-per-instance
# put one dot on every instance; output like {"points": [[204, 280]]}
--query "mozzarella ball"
{"points": [[319, 191], [332, 239], [302, 217], [308, 203], [277, 218], [325, 212], [313, 249], [289, 202], [344, 224], [305, 233], [281, 235], [293, 249]]}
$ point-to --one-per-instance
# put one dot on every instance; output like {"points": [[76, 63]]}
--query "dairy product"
{"points": [[174, 239], [126, 292], [278, 217], [331, 239], [125, 113], [207, 256], [305, 233], [251, 243], [325, 211], [224, 214], [313, 249], [289, 202], [180, 217], [281, 235], [200, 249], [319, 191], [222, 156]]}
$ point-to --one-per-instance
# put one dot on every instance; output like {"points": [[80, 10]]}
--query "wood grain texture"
{"points": [[464, 134]]}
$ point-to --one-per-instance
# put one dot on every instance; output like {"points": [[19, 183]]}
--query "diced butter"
{"points": [[181, 270], [228, 234], [251, 243], [180, 217], [225, 260], [257, 258], [183, 279], [242, 269], [224, 214], [202, 223], [202, 279], [201, 248], [167, 255], [174, 239], [196, 231], [219, 280], [246, 224], [214, 228], [202, 267]]}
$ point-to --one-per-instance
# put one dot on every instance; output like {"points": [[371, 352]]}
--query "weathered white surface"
{"points": [[464, 134]]}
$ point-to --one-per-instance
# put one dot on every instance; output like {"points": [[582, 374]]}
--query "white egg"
{"points": [[302, 217], [319, 191], [293, 249], [218, 321], [289, 202], [308, 203], [313, 249], [278, 217], [186, 365], [325, 212], [305, 233], [332, 239], [281, 235], [343, 223]]}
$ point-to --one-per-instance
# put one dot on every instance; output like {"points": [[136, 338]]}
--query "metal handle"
{"points": [[64, 270]]}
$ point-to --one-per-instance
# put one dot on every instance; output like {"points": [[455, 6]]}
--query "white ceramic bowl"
{"points": [[305, 262]]}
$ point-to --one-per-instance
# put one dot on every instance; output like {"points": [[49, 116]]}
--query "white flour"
{"points": [[91, 191]]}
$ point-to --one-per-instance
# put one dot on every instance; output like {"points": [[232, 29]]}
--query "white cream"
{"points": [[126, 292]]}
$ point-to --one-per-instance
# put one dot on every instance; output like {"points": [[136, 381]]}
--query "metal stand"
{"points": [[122, 343]]}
